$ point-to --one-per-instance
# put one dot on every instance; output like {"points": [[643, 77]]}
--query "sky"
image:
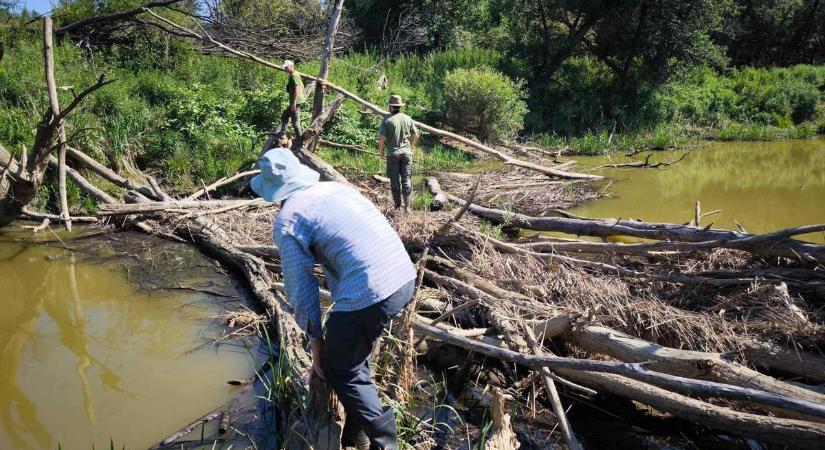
{"points": [[40, 6]]}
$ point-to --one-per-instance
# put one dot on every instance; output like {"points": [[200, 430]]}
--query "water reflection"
{"points": [[85, 356]]}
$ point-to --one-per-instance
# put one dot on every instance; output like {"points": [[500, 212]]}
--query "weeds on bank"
{"points": [[424, 410], [437, 158]]}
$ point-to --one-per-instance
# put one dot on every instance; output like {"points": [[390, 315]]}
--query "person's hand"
{"points": [[317, 347], [293, 107]]}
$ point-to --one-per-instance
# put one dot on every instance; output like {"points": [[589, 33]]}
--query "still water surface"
{"points": [[764, 186], [86, 356]]}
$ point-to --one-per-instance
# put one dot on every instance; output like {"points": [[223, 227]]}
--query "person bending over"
{"points": [[366, 268]]}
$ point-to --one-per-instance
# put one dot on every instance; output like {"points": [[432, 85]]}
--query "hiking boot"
{"points": [[353, 436], [382, 432], [396, 198], [407, 203]]}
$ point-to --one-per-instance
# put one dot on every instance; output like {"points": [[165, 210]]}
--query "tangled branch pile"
{"points": [[706, 325]]}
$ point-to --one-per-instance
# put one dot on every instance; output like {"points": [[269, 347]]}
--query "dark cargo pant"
{"points": [[399, 171], [288, 115], [349, 339]]}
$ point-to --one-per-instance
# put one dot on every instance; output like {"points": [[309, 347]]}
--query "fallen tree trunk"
{"points": [[220, 183], [101, 170], [612, 377], [40, 216], [778, 243], [381, 112], [84, 183], [155, 207], [670, 277], [783, 432], [684, 363], [786, 360]]}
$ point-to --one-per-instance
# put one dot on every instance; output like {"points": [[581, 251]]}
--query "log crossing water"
{"points": [[764, 186], [92, 351]]}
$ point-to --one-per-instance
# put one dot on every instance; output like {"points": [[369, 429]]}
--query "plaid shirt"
{"points": [[363, 258]]}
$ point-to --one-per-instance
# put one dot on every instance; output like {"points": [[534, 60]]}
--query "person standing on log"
{"points": [[399, 134], [295, 90], [367, 270]]}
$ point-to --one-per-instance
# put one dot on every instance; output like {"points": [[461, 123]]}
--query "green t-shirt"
{"points": [[397, 130], [293, 81]]}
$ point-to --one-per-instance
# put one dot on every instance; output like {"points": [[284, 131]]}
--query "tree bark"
{"points": [[54, 103], [326, 56], [778, 243], [613, 377], [101, 170], [155, 207]]}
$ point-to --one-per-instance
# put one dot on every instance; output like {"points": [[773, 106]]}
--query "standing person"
{"points": [[366, 268], [399, 134], [295, 90]]}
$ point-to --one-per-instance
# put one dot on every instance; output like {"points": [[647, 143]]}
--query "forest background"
{"points": [[592, 76]]}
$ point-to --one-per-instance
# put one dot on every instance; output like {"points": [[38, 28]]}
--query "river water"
{"points": [[764, 186], [95, 346]]}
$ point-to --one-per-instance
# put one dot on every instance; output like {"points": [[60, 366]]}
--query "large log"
{"points": [[84, 184], [323, 422], [101, 170], [621, 380], [380, 111], [778, 243], [685, 363], [155, 207], [811, 366], [690, 364]]}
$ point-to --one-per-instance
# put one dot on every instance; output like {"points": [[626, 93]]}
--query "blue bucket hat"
{"points": [[281, 175]]}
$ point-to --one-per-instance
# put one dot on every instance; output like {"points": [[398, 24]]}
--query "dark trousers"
{"points": [[349, 339], [399, 171], [288, 115]]}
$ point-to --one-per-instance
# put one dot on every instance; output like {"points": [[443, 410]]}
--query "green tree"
{"points": [[776, 32], [484, 102]]}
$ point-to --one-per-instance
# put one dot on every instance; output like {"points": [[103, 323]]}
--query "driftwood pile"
{"points": [[716, 327], [682, 324]]}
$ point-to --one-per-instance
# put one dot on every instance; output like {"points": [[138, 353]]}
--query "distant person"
{"points": [[367, 270], [399, 134], [295, 90]]}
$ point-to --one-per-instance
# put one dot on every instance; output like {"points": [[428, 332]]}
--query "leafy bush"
{"points": [[484, 102]]}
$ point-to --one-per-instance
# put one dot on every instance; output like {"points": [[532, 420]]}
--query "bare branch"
{"points": [[106, 18]]}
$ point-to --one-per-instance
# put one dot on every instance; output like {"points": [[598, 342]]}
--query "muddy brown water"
{"points": [[764, 186], [96, 340]]}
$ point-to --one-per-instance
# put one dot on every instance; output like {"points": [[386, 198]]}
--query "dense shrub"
{"points": [[484, 102]]}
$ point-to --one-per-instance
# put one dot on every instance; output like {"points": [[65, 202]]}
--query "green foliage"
{"points": [[439, 158], [422, 199], [491, 230], [484, 102], [777, 97]]}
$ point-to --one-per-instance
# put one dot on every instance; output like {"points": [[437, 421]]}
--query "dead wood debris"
{"points": [[483, 297], [494, 292]]}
